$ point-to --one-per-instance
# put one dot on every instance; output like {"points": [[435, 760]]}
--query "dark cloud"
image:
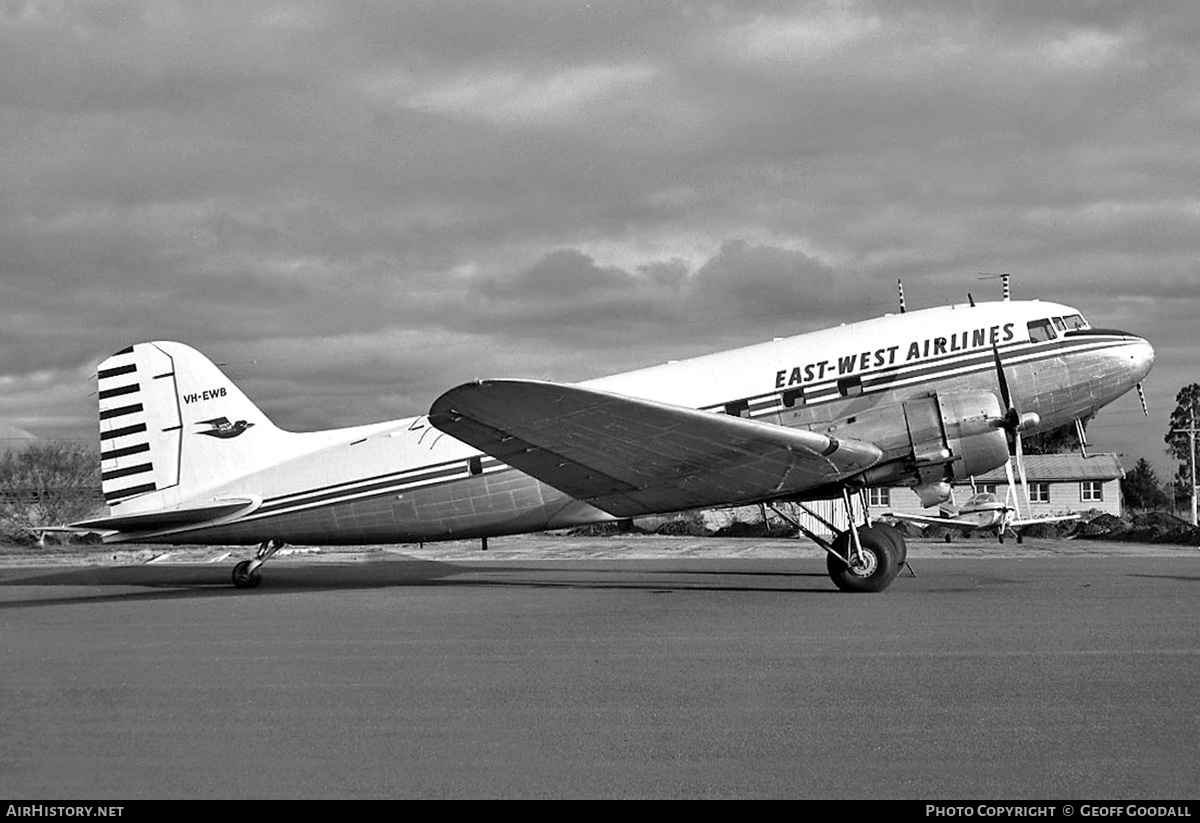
{"points": [[359, 205]]}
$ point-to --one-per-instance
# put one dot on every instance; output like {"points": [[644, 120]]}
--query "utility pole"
{"points": [[1191, 433]]}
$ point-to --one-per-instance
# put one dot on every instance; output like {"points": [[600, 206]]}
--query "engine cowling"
{"points": [[950, 437], [954, 435]]}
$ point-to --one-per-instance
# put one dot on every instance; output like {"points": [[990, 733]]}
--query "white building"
{"points": [[1058, 484]]}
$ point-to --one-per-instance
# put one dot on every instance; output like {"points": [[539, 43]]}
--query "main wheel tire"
{"points": [[898, 542], [243, 578], [874, 573]]}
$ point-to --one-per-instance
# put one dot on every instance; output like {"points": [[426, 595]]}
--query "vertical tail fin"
{"points": [[172, 426]]}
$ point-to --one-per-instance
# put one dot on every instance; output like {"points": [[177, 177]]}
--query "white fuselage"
{"points": [[405, 480]]}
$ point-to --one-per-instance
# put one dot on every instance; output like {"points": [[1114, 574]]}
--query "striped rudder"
{"points": [[172, 426], [139, 424]]}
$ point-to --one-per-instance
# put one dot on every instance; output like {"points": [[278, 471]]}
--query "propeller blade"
{"points": [[1005, 397], [1024, 478], [1012, 489]]}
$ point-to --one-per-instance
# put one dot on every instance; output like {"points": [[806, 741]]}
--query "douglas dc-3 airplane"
{"points": [[919, 398]]}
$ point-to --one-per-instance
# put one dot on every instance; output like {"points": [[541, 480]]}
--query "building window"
{"points": [[988, 488], [1091, 491], [879, 497], [1039, 492]]}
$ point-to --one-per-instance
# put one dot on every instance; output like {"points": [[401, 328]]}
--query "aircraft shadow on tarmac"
{"points": [[151, 582]]}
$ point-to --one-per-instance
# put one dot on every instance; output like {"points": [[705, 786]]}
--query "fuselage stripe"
{"points": [[376, 491], [949, 366]]}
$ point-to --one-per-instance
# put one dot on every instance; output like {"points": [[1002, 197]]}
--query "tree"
{"points": [[1053, 441], [1142, 489], [1179, 442], [48, 483]]}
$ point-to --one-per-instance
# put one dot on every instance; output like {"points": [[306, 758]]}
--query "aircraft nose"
{"points": [[1141, 357]]}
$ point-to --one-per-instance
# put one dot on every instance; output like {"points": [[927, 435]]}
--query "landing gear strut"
{"points": [[246, 574]]}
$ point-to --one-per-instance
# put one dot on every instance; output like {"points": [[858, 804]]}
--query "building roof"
{"points": [[1073, 467]]}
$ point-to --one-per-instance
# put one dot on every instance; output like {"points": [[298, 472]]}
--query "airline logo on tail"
{"points": [[222, 428]]}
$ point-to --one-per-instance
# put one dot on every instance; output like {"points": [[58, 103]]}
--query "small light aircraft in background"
{"points": [[983, 510], [919, 399]]}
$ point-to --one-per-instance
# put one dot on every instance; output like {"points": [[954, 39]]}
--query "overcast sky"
{"points": [[358, 205]]}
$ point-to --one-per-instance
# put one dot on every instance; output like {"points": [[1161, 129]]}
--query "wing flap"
{"points": [[631, 456]]}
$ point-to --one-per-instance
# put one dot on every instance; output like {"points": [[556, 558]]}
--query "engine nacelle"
{"points": [[951, 437], [954, 436]]}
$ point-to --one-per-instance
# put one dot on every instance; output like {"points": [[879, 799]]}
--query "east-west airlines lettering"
{"points": [[856, 362], [211, 394]]}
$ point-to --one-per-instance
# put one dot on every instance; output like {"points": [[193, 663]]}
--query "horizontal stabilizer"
{"points": [[170, 518], [631, 456]]}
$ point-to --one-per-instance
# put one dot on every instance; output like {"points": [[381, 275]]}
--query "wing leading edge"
{"points": [[630, 456]]}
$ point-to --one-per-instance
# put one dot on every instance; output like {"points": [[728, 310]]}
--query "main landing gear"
{"points": [[869, 566], [246, 574], [863, 558]]}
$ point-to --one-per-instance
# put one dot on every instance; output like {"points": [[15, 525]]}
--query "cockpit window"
{"points": [[1040, 331], [1059, 324], [1075, 321]]}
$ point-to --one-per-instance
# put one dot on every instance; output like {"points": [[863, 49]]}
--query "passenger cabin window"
{"points": [[738, 408], [850, 386], [793, 398], [1040, 331]]}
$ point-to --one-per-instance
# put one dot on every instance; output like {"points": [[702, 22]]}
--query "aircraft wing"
{"points": [[630, 456], [937, 521], [1050, 518]]}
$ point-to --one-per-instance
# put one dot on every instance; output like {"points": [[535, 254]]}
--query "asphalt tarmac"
{"points": [[552, 669]]}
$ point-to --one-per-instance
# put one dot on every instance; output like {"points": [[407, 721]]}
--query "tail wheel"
{"points": [[873, 572], [243, 578]]}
